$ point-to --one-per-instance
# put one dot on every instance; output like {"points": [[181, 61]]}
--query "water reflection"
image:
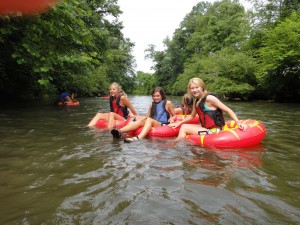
{"points": [[217, 166]]}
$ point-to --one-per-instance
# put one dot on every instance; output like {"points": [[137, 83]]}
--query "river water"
{"points": [[55, 171]]}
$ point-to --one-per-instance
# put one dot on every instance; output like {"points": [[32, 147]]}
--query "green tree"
{"points": [[227, 72], [144, 83], [279, 72], [207, 29], [224, 25], [72, 46]]}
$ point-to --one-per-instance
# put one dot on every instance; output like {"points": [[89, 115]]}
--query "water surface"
{"points": [[55, 171]]}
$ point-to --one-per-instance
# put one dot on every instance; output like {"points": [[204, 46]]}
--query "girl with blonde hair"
{"points": [[209, 109], [119, 105]]}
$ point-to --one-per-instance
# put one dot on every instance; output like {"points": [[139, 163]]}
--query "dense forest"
{"points": [[79, 45]]}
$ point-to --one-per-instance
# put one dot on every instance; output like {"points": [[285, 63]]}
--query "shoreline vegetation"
{"points": [[243, 55]]}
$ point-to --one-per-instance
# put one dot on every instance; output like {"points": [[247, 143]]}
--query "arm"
{"points": [[73, 97], [178, 111], [185, 120], [214, 102], [149, 111], [170, 109], [126, 102]]}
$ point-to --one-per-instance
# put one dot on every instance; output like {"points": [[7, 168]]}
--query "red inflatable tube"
{"points": [[166, 131], [233, 137], [118, 123], [162, 131]]}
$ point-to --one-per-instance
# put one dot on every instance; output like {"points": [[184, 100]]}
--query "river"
{"points": [[55, 171]]}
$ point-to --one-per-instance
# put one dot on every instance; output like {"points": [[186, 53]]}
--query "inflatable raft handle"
{"points": [[202, 131]]}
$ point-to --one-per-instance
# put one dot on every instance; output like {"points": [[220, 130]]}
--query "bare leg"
{"points": [[188, 129], [133, 126], [98, 116], [111, 120], [147, 127], [148, 124]]}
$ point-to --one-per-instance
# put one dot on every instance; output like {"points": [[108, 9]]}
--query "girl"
{"points": [[119, 105], [209, 109], [160, 112], [186, 107]]}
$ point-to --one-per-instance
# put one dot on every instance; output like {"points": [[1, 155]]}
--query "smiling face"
{"points": [[113, 90], [156, 97], [158, 94], [196, 87], [196, 90]]}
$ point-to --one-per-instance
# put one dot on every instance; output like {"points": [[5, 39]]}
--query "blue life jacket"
{"points": [[159, 112]]}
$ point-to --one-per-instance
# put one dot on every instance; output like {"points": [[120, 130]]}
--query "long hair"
{"points": [[187, 104], [161, 91], [187, 100]]}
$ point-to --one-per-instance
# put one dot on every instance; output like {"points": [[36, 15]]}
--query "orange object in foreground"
{"points": [[26, 7], [233, 137]]}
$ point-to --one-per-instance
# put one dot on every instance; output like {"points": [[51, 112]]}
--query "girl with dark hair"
{"points": [[186, 106], [161, 112]]}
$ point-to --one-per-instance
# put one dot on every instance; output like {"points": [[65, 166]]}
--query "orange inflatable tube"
{"points": [[26, 7], [68, 103]]}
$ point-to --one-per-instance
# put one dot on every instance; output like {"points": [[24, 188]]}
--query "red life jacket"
{"points": [[117, 108], [209, 118]]}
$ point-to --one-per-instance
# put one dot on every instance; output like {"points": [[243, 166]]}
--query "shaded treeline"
{"points": [[79, 45]]}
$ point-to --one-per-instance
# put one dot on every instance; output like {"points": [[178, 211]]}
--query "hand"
{"points": [[174, 125], [140, 117], [242, 126]]}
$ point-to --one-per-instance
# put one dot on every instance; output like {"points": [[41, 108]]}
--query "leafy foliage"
{"points": [[207, 44], [280, 59], [72, 46], [253, 54], [144, 82], [230, 76]]}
